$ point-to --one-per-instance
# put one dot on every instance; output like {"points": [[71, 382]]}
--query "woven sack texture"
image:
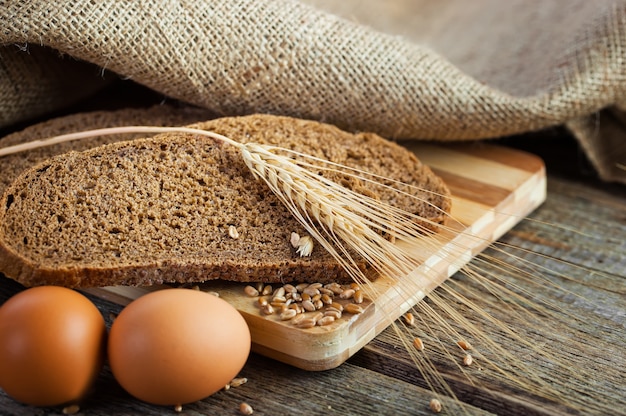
{"points": [[419, 69]]}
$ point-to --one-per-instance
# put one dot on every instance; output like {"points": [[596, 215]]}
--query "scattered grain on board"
{"points": [[298, 318], [326, 299], [308, 306], [311, 291], [409, 319], [326, 320], [289, 288], [334, 313], [318, 316], [288, 314], [435, 405], [279, 292], [337, 306], [347, 294], [305, 323], [353, 308], [250, 291], [278, 301], [291, 301], [178, 408]]}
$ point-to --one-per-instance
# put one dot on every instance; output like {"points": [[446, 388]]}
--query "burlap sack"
{"points": [[438, 69]]}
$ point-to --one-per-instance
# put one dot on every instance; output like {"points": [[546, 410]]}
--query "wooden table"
{"points": [[375, 381]]}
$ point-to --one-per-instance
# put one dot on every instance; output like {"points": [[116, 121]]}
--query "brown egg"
{"points": [[52, 346], [177, 346]]}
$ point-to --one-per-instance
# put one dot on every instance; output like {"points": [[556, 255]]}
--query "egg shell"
{"points": [[52, 346], [177, 346]]}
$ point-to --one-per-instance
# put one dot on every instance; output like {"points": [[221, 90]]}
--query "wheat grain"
{"points": [[288, 314], [233, 232], [325, 320], [245, 409], [353, 308], [435, 406], [468, 360], [332, 312], [337, 305], [418, 344], [267, 290], [267, 309], [301, 286], [358, 296], [308, 305], [311, 291], [464, 345], [71, 409], [251, 291], [347, 294], [289, 288], [304, 323], [238, 381], [294, 239]]}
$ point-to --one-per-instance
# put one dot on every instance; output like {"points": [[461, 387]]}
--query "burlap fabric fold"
{"points": [[438, 69]]}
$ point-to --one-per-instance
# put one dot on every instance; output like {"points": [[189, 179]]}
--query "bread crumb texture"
{"points": [[159, 209]]}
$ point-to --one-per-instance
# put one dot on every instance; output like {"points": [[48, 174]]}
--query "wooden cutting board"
{"points": [[493, 188]]}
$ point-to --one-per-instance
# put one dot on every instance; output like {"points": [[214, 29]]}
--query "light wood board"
{"points": [[493, 188]]}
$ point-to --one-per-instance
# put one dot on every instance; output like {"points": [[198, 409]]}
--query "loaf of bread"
{"points": [[185, 208]]}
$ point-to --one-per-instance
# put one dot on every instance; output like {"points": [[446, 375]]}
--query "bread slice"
{"points": [[160, 115], [159, 209]]}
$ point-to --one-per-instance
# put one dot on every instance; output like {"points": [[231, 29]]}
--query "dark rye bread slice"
{"points": [[161, 115], [159, 209]]}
